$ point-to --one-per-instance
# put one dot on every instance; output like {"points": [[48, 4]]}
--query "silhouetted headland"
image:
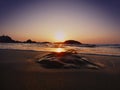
{"points": [[8, 39]]}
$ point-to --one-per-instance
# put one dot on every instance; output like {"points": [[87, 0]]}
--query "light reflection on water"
{"points": [[53, 48]]}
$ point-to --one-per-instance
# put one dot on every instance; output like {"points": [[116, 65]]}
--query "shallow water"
{"points": [[100, 49]]}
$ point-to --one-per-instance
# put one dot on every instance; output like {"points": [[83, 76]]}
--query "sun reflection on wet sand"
{"points": [[59, 50]]}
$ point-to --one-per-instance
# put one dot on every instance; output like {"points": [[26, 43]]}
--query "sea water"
{"points": [[101, 49]]}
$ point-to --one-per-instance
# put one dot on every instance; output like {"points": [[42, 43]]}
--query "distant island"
{"points": [[8, 39], [72, 42]]}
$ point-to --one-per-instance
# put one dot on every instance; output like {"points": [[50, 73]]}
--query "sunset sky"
{"points": [[88, 21]]}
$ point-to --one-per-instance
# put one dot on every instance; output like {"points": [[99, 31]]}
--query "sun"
{"points": [[60, 36]]}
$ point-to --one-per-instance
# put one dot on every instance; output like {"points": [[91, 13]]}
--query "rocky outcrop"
{"points": [[66, 60], [6, 39]]}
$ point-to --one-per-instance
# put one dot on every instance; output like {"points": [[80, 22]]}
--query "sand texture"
{"points": [[19, 71]]}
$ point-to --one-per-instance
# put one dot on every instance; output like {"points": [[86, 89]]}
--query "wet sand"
{"points": [[19, 71]]}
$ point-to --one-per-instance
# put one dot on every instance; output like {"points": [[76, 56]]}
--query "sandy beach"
{"points": [[19, 71]]}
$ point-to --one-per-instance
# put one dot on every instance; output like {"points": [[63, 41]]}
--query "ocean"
{"points": [[101, 49]]}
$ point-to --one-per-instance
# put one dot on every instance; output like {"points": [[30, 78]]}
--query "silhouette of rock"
{"points": [[6, 39], [72, 42], [66, 60]]}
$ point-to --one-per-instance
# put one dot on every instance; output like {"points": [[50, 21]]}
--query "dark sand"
{"points": [[19, 71]]}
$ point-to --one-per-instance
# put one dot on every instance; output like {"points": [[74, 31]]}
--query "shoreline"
{"points": [[78, 53]]}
